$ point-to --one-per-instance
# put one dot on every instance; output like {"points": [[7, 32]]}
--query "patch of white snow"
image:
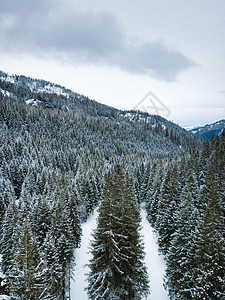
{"points": [[154, 262], [6, 93], [82, 257], [33, 102]]}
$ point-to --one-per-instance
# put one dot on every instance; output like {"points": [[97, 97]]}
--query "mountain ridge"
{"points": [[35, 92], [208, 130]]}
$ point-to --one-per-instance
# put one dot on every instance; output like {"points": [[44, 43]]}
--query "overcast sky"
{"points": [[116, 52]]}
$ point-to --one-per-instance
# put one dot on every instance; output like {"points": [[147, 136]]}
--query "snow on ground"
{"points": [[153, 260], [52, 89], [34, 102], [82, 258], [6, 93]]}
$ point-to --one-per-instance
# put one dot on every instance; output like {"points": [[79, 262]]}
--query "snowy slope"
{"points": [[150, 119], [154, 262], [36, 85], [208, 130]]}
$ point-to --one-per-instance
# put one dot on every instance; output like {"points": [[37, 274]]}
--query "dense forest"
{"points": [[186, 206], [56, 150]]}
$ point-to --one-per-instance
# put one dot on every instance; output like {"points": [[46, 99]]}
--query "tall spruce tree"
{"points": [[61, 234], [180, 255], [165, 222], [117, 270], [26, 274], [9, 235], [153, 193], [208, 280]]}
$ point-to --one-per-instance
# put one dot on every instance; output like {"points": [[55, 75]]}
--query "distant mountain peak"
{"points": [[208, 130]]}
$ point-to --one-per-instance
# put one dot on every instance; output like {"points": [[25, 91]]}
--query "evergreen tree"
{"points": [[6, 196], [204, 161], [191, 187], [209, 274], [59, 248], [116, 268], [145, 183], [218, 160], [179, 260], [25, 275], [54, 272], [196, 258], [74, 219], [9, 235], [40, 218], [169, 198], [153, 194]]}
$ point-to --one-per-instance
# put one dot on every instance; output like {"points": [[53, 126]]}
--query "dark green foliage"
{"points": [[153, 193], [209, 273], [9, 235], [117, 269], [181, 254], [26, 274], [6, 196], [41, 218], [188, 214], [169, 195]]}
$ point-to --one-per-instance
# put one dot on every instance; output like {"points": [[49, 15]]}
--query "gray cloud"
{"points": [[50, 28]]}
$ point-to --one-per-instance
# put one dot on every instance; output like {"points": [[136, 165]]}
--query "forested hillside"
{"points": [[186, 206], [56, 149]]}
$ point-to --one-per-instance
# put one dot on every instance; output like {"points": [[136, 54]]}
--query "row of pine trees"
{"points": [[39, 235], [186, 206]]}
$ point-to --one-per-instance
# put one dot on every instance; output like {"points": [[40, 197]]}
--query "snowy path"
{"points": [[154, 262], [82, 257]]}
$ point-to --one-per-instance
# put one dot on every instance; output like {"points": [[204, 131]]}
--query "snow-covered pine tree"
{"points": [[117, 270], [26, 273], [74, 219], [153, 193], [9, 235], [169, 198], [54, 271], [40, 217], [219, 162], [208, 278], [204, 161], [145, 183], [6, 196], [180, 263], [191, 187], [59, 247]]}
